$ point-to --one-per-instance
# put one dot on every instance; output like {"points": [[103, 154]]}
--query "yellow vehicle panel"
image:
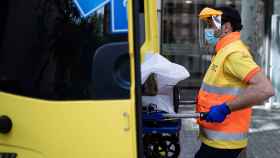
{"points": [[68, 129]]}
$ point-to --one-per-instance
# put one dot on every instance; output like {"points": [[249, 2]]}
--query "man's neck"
{"points": [[225, 34]]}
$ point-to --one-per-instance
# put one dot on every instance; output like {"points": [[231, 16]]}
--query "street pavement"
{"points": [[264, 136]]}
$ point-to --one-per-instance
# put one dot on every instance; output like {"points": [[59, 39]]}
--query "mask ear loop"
{"points": [[217, 21]]}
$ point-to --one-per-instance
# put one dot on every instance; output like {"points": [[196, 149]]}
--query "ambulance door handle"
{"points": [[5, 124], [127, 121]]}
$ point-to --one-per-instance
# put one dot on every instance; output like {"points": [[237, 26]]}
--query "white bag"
{"points": [[167, 74]]}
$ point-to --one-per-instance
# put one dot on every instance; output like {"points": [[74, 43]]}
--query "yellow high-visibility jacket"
{"points": [[228, 75]]}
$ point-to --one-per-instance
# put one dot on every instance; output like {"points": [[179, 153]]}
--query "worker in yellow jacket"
{"points": [[231, 86]]}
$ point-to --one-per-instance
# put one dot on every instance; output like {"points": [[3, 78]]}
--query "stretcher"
{"points": [[161, 132]]}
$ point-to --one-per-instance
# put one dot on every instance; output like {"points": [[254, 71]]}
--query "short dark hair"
{"points": [[231, 15]]}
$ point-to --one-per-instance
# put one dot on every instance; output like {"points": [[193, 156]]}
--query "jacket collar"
{"points": [[231, 37]]}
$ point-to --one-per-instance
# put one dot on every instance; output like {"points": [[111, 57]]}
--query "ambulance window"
{"points": [[48, 51]]}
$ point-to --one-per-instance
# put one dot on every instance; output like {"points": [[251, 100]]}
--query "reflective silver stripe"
{"points": [[221, 90], [215, 135]]}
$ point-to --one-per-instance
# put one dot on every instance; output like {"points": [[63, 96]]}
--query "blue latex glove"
{"points": [[218, 113]]}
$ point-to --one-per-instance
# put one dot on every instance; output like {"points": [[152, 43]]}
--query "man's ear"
{"points": [[227, 28]]}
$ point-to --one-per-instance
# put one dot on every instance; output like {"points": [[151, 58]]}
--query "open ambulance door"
{"points": [[69, 86]]}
